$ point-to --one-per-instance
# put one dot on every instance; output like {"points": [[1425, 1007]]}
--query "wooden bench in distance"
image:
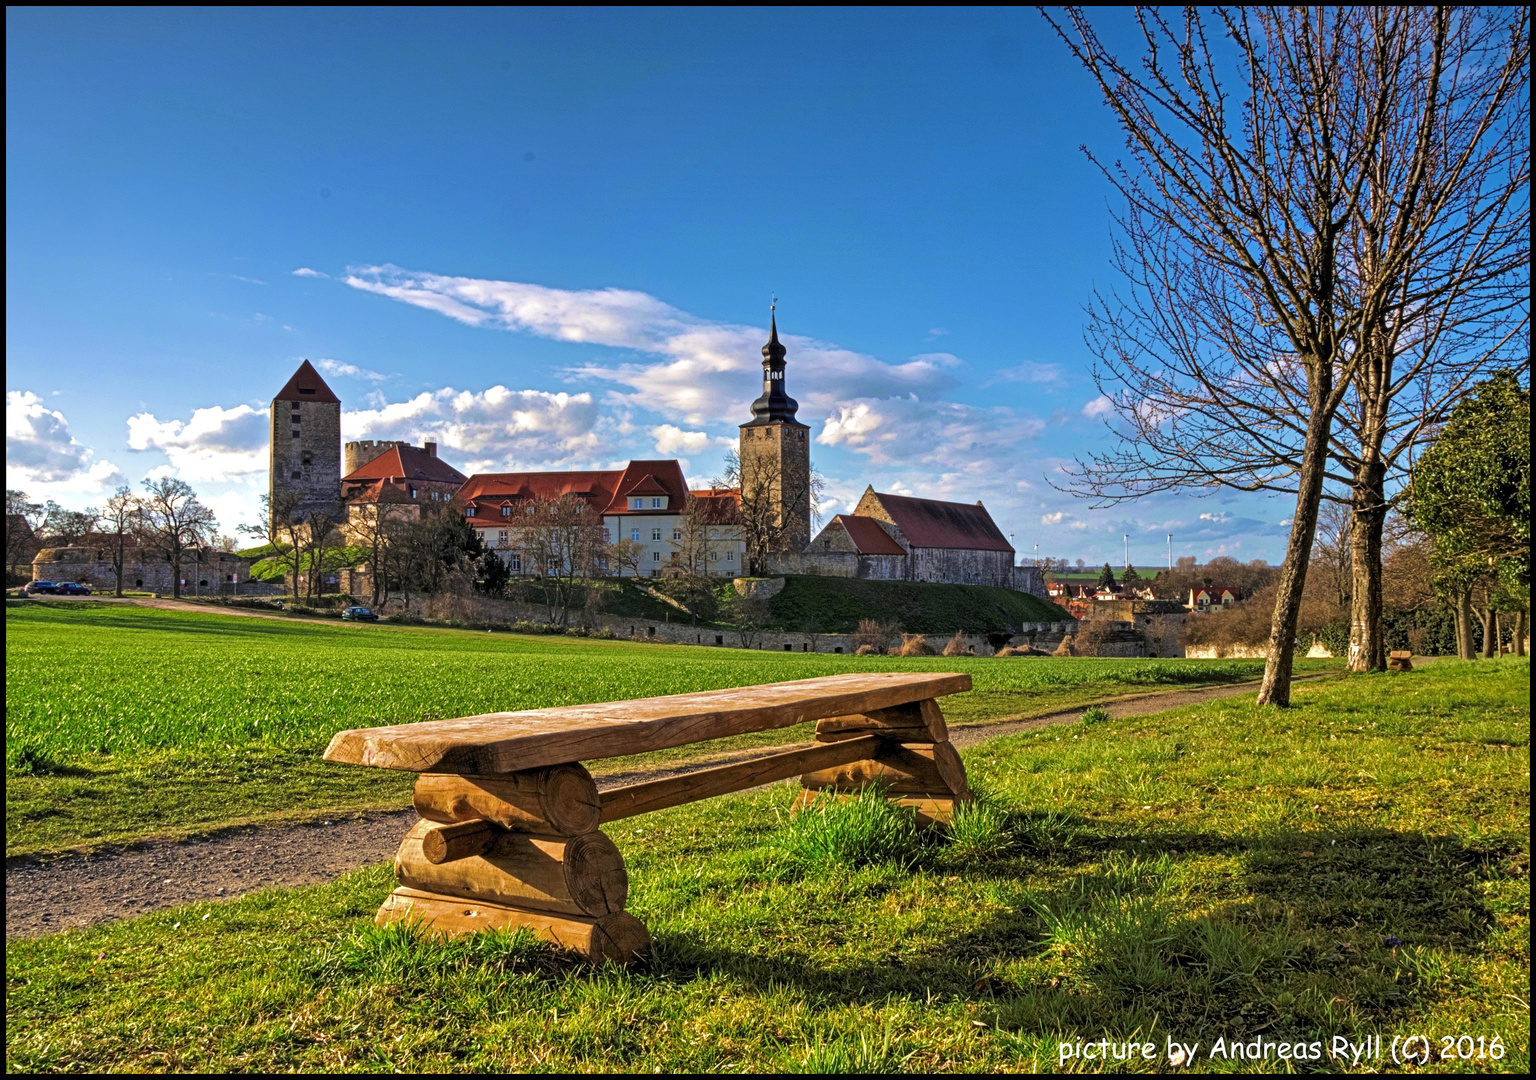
{"points": [[508, 835]]}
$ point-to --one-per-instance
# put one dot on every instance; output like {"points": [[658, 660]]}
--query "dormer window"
{"points": [[469, 512], [302, 390], [506, 511], [655, 504], [637, 504], [413, 493]]}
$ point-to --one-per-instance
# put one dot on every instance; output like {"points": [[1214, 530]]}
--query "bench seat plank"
{"points": [[530, 739]]}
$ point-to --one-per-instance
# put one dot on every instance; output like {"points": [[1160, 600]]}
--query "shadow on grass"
{"points": [[1282, 932]]}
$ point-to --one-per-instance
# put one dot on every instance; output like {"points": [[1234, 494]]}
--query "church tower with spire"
{"points": [[775, 462]]}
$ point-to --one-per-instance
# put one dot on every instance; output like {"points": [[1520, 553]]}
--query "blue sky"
{"points": [[548, 239]]}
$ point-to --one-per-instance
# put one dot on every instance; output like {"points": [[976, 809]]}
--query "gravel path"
{"points": [[45, 896]]}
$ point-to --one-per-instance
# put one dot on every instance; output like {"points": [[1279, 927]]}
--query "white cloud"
{"points": [[495, 430], [1219, 519], [944, 435], [40, 450], [707, 371], [216, 444], [1028, 372], [305, 271], [1099, 406], [351, 371], [239, 277], [1052, 519], [671, 439]]}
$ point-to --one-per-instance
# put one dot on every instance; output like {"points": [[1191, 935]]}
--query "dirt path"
{"points": [[45, 896]]}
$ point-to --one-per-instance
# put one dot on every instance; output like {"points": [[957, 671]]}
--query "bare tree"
{"points": [[279, 532], [120, 527], [67, 528], [561, 541], [1443, 235], [1331, 551], [693, 542], [22, 519], [374, 526], [626, 554], [175, 521], [1240, 337]]}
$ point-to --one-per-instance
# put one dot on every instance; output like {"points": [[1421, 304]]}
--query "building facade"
{"points": [[305, 457], [644, 503]]}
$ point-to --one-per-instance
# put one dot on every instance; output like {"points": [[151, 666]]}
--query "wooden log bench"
{"points": [[509, 831]]}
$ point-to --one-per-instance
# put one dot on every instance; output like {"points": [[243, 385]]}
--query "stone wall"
{"points": [[962, 566], [142, 571], [839, 564]]}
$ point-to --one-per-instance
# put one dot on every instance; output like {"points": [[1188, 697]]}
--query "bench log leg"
{"points": [[493, 858], [917, 764]]}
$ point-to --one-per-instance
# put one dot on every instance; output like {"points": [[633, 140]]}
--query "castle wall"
{"points": [[843, 564], [142, 571], [306, 454], [962, 566], [357, 454]]}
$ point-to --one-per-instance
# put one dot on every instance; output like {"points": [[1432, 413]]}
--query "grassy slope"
{"points": [[836, 605], [1357, 865], [126, 722]]}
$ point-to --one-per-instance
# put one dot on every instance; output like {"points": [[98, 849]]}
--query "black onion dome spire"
{"points": [[775, 405]]}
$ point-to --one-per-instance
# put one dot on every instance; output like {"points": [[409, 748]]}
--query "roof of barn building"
{"points": [[867, 535], [935, 524]]}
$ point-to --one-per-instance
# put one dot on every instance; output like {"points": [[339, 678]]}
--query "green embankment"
{"points": [[124, 722], [1356, 866], [837, 605]]}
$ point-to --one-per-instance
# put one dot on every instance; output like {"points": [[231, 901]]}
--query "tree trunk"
{"points": [[1464, 648], [1485, 616], [1276, 687], [176, 576], [1368, 516], [1519, 643]]}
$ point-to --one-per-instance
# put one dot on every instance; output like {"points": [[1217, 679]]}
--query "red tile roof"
{"points": [[407, 463], [306, 385], [935, 524], [606, 490], [867, 535]]}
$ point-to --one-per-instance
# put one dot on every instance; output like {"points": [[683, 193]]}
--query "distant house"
{"points": [[1204, 597], [401, 473]]}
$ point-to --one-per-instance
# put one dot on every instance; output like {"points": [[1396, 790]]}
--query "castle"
{"points": [[760, 527]]}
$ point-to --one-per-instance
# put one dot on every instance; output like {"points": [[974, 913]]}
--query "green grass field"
{"points": [[1355, 866], [124, 722]]}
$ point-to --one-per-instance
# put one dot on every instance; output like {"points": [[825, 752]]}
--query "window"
{"points": [[677, 534], [714, 556], [655, 556], [501, 536], [413, 493], [655, 534], [607, 536], [469, 512], [636, 504], [516, 562], [634, 534], [304, 391], [655, 504], [506, 511], [307, 458], [296, 475], [295, 433], [730, 556]]}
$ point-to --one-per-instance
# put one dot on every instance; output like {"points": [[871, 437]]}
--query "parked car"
{"points": [[359, 614], [73, 588], [32, 588]]}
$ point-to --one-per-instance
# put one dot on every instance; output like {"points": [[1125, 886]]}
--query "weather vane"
{"points": [[774, 306]]}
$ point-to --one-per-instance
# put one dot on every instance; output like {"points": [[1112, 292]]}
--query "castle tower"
{"points": [[306, 445], [776, 460]]}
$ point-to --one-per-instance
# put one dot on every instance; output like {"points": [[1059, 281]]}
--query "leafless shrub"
{"points": [[956, 646], [915, 645], [1066, 647], [870, 635], [866, 650]]}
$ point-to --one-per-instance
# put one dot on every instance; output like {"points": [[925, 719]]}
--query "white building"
{"points": [[643, 503]]}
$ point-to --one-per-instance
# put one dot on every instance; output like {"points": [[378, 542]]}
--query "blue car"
{"points": [[359, 614], [33, 588], [72, 588]]}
